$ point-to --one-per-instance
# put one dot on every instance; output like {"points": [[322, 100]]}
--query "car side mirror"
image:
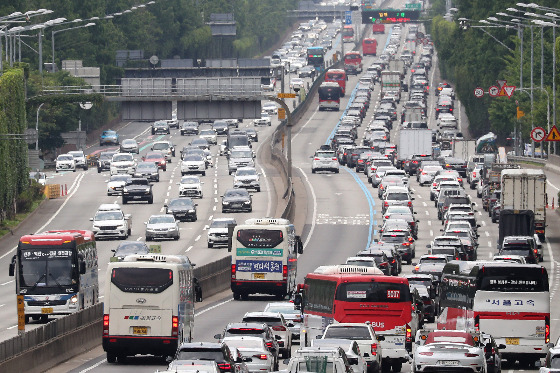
{"points": [[380, 338], [90, 219], [217, 336], [165, 205], [145, 223], [114, 250], [428, 246]]}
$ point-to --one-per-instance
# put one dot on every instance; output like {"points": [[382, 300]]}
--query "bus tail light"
{"points": [[105, 325], [279, 328], [374, 349], [285, 272], [547, 331], [175, 326], [233, 271], [408, 333]]}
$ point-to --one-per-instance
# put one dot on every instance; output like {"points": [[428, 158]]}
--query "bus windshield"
{"points": [[383, 292], [46, 267], [511, 279], [142, 280], [329, 93]]}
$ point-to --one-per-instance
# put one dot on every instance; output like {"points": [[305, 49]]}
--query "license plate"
{"points": [[140, 330], [47, 310], [258, 276], [449, 362], [512, 341]]}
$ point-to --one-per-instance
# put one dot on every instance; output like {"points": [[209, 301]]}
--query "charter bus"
{"points": [[56, 272], [148, 306], [329, 96], [348, 34], [369, 47], [356, 294], [510, 301], [338, 76], [316, 58], [264, 257], [353, 63]]}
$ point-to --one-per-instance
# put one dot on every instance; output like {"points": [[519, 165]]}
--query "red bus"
{"points": [[348, 34], [337, 76], [378, 28], [369, 46], [56, 272], [329, 96], [353, 63], [353, 294]]}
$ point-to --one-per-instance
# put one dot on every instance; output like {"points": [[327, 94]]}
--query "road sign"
{"points": [[281, 113], [538, 134], [348, 17], [478, 92], [413, 6], [493, 91], [286, 95], [553, 135], [508, 90], [501, 83]]}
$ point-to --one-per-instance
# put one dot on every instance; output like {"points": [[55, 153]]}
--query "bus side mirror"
{"points": [[299, 245], [12, 268], [297, 299], [230, 228], [82, 268]]}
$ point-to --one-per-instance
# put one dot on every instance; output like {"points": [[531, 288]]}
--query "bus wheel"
{"points": [[111, 358], [385, 366], [44, 318], [244, 296], [236, 296], [397, 366]]}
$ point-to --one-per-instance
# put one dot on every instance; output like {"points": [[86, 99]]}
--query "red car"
{"points": [[158, 158]]}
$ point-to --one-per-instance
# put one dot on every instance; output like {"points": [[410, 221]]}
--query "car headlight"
{"points": [[191, 210], [247, 202], [225, 203], [74, 299]]}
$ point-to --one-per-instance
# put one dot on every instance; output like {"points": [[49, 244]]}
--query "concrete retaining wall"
{"points": [[214, 277]]}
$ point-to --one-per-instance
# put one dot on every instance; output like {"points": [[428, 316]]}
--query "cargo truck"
{"points": [[391, 82], [525, 189], [413, 142], [464, 149]]}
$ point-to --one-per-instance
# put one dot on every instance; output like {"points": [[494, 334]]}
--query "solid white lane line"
{"points": [[314, 208], [211, 308]]}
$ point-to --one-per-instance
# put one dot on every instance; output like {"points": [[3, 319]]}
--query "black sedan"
{"points": [[149, 170], [235, 200], [184, 209], [129, 248]]}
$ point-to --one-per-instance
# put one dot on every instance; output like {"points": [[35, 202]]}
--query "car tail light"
{"points": [[434, 184], [386, 204], [408, 333], [261, 356], [471, 355], [426, 353], [415, 162], [477, 322], [315, 159], [334, 159], [233, 271], [224, 366], [547, 331], [424, 173], [416, 268], [383, 264], [410, 239], [374, 349], [409, 203], [285, 272], [413, 223], [106, 324], [279, 328], [406, 243], [175, 326], [269, 344], [450, 109], [474, 174]]}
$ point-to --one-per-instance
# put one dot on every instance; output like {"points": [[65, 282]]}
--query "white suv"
{"points": [[80, 159], [218, 231], [65, 162], [279, 327], [123, 163], [110, 221]]}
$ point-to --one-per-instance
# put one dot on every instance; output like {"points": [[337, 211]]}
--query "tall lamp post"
{"points": [[54, 32]]}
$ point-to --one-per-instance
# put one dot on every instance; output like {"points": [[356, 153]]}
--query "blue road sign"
{"points": [[348, 17]]}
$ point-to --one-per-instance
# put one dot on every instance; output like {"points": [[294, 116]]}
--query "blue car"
{"points": [[109, 137]]}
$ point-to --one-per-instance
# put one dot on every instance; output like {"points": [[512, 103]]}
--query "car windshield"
{"points": [[193, 158], [214, 354], [221, 223], [199, 142], [244, 343], [109, 133], [207, 132], [105, 156], [153, 156], [241, 154], [190, 180], [123, 178], [516, 250], [348, 332], [65, 158], [236, 193], [458, 234], [146, 166], [131, 248], [160, 146], [122, 158], [397, 210], [433, 260], [161, 219], [108, 215], [181, 202], [246, 172], [76, 154], [393, 238], [361, 263]]}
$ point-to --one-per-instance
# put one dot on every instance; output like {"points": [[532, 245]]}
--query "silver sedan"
{"points": [[162, 226]]}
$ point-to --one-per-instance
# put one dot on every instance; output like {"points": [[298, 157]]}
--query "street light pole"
{"points": [[37, 127], [66, 29]]}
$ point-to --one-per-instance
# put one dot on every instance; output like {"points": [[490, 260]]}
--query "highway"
{"points": [[343, 217]]}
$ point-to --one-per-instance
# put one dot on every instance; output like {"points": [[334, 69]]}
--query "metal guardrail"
{"points": [[36, 337], [515, 158]]}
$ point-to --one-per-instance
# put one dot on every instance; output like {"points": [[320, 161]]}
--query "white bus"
{"points": [[264, 258], [510, 301], [149, 305]]}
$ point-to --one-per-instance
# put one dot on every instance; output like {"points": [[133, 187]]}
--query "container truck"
{"points": [[525, 189], [413, 142]]}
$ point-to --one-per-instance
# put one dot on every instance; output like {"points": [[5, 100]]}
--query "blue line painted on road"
{"points": [[370, 200], [152, 143]]}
